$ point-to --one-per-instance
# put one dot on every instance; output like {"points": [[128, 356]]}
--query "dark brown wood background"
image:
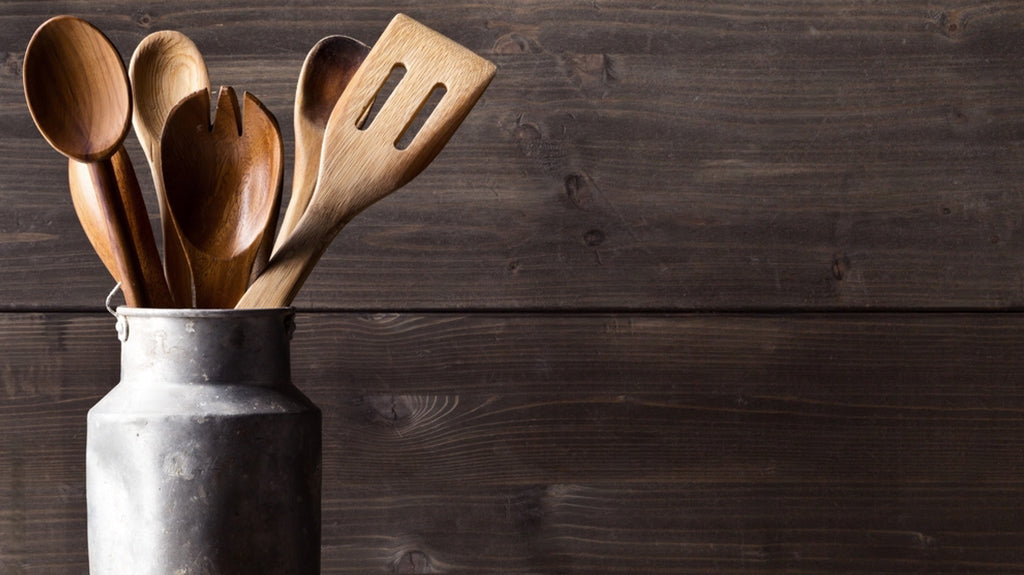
{"points": [[699, 287]]}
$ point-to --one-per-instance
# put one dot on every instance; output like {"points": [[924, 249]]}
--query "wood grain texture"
{"points": [[830, 155], [223, 183], [595, 443], [555, 414], [363, 159], [325, 74], [165, 67], [86, 199]]}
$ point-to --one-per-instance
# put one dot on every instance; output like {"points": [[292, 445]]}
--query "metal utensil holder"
{"points": [[205, 458]]}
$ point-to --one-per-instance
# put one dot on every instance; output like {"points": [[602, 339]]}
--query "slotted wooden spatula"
{"points": [[364, 160]]}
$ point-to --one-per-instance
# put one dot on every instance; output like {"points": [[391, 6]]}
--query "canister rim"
{"points": [[202, 313]]}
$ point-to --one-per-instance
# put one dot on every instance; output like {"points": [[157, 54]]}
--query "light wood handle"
{"points": [[290, 265], [362, 164]]}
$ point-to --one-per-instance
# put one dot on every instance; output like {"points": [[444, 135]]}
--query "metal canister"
{"points": [[204, 458]]}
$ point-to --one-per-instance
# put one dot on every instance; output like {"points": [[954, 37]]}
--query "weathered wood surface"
{"points": [[595, 443], [629, 155], [535, 403]]}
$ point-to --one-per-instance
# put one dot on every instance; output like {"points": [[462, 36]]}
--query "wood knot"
{"points": [[594, 238], [951, 23], [592, 69], [514, 43], [575, 190], [144, 19], [388, 409], [536, 145], [526, 132], [12, 64], [840, 266], [413, 561]]}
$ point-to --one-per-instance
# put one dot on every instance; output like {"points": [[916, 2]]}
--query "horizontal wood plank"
{"points": [[678, 156], [595, 443], [536, 403]]}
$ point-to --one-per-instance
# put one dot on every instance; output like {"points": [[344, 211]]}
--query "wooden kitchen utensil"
{"points": [[328, 68], [222, 186], [77, 91], [84, 196], [165, 68], [361, 161]]}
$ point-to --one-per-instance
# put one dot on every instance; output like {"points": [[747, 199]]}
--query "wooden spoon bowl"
{"points": [[326, 72], [165, 68], [222, 183], [360, 163], [77, 89]]}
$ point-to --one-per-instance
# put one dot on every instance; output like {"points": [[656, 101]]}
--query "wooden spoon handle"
{"points": [[291, 264], [132, 247], [269, 240], [176, 270], [219, 283], [90, 216], [129, 270], [89, 206], [143, 243]]}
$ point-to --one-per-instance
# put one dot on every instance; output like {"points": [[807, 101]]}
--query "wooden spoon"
{"points": [[328, 68], [361, 163], [85, 197], [222, 183], [165, 68], [77, 91]]}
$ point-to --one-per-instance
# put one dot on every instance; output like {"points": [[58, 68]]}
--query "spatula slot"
{"points": [[426, 108], [383, 94]]}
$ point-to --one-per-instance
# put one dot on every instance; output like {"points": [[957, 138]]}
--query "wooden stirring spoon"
{"points": [[222, 184], [165, 68], [84, 196], [77, 91], [326, 72], [361, 160]]}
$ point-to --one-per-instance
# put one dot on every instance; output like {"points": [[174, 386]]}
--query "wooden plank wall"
{"points": [[698, 288]]}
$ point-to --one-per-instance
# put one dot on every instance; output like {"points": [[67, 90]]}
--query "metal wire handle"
{"points": [[110, 296]]}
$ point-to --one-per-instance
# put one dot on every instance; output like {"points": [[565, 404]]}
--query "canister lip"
{"points": [[201, 313]]}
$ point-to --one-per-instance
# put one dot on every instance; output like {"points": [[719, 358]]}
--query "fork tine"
{"points": [[227, 118]]}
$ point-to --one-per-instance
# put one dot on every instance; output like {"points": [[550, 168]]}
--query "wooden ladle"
{"points": [[222, 183], [165, 68], [325, 73], [362, 160], [77, 91]]}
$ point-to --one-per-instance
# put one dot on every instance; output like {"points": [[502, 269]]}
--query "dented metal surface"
{"points": [[205, 458]]}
